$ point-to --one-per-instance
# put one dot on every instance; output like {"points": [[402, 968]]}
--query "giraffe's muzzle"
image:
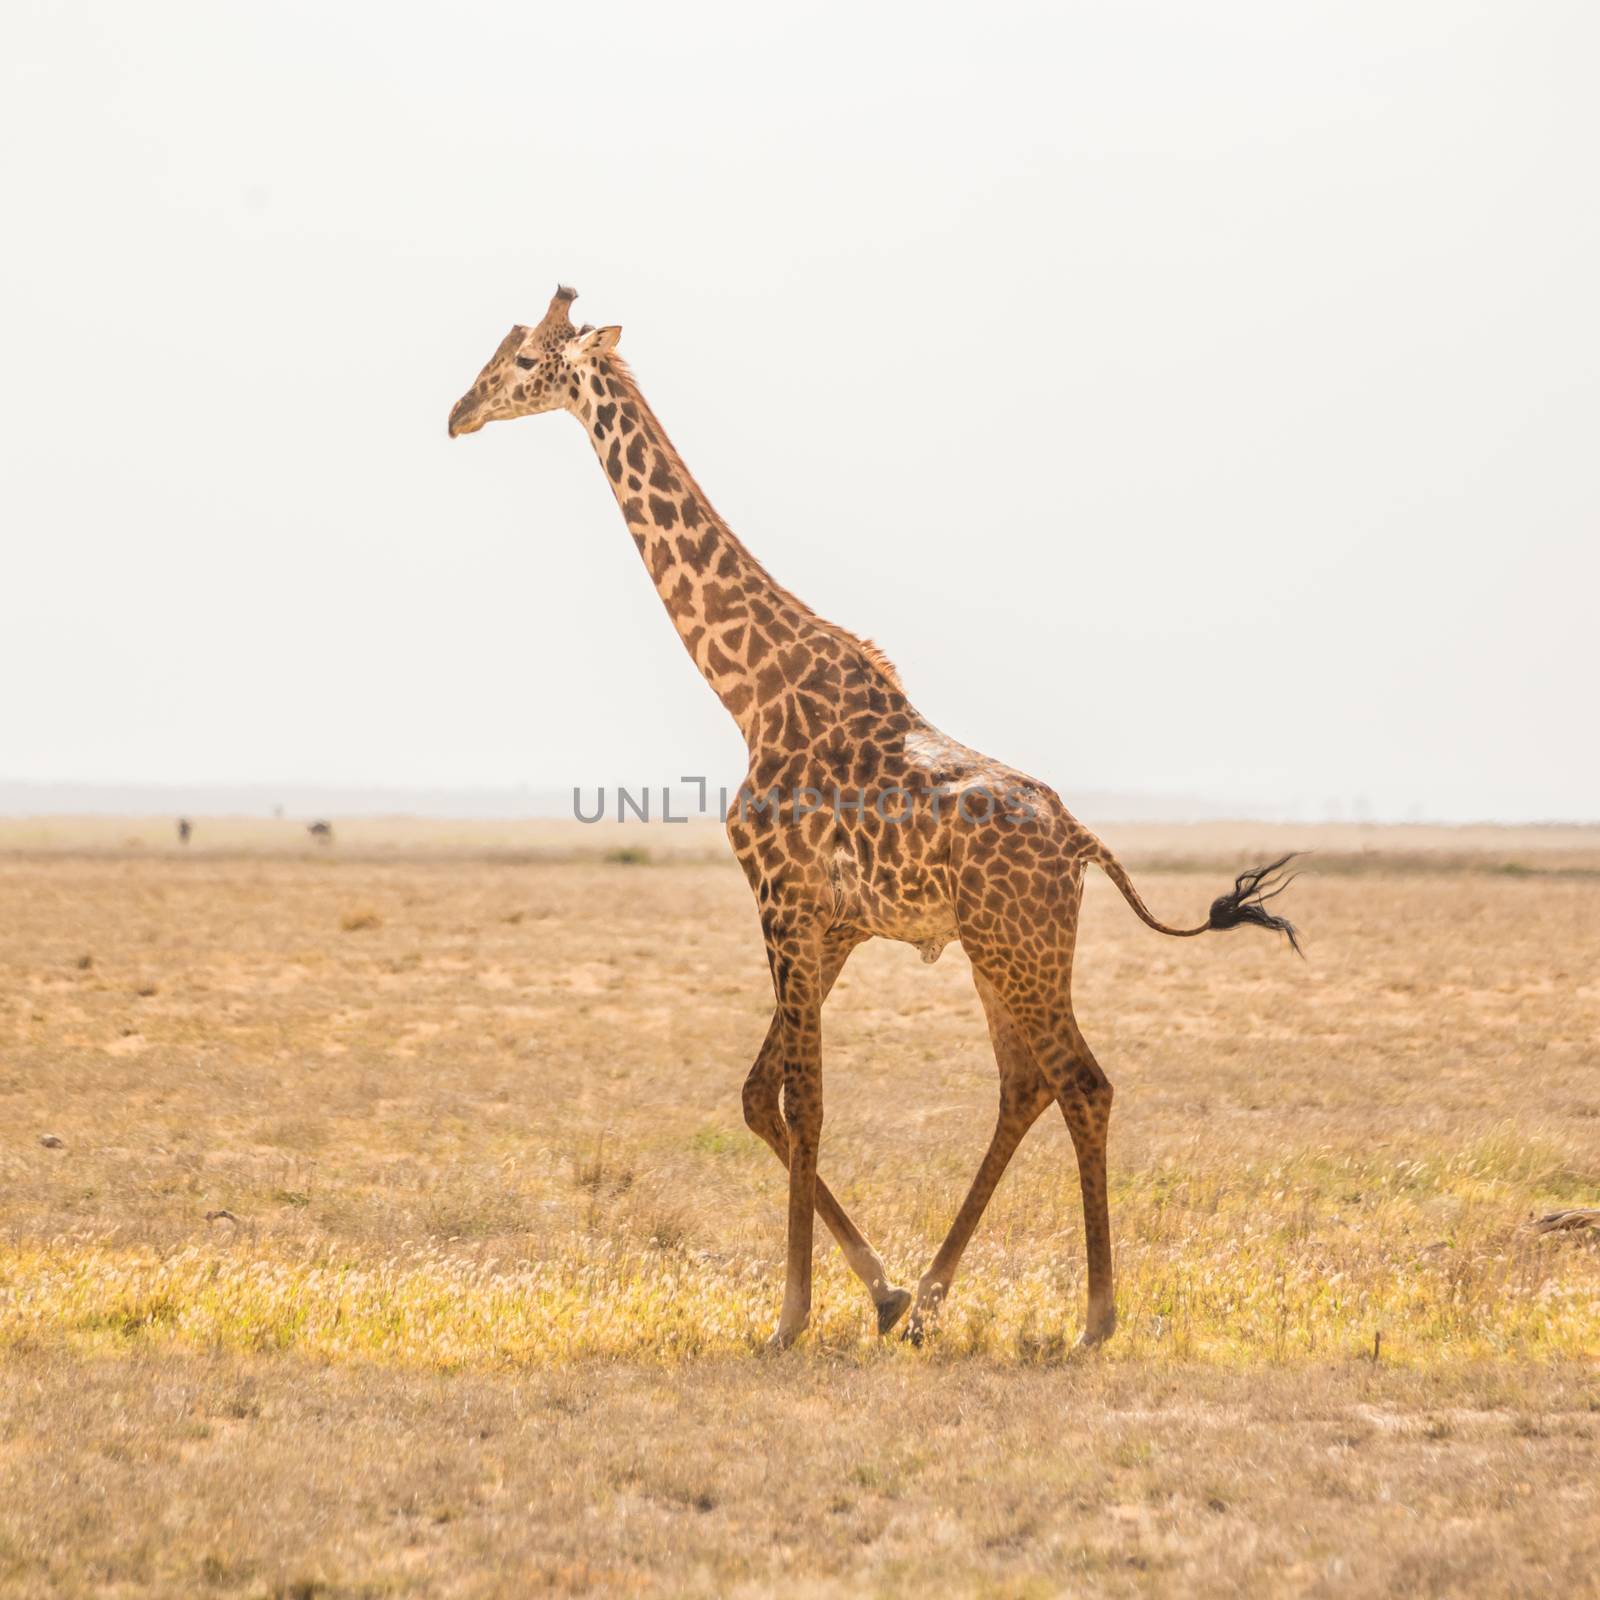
{"points": [[465, 416]]}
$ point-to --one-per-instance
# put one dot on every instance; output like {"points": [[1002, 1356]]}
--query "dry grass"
{"points": [[432, 1152], [214, 1475]]}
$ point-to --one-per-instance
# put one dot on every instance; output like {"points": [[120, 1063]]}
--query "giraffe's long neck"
{"points": [[781, 671]]}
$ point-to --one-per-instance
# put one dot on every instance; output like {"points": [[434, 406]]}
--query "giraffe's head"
{"points": [[535, 369]]}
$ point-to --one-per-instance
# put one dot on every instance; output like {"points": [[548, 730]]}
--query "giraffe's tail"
{"points": [[1246, 902]]}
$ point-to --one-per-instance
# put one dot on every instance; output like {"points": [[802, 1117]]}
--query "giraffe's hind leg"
{"points": [[1086, 1105], [1023, 1095], [1070, 1073], [1024, 950], [763, 1115]]}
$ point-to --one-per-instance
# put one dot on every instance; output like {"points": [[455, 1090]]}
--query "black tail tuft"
{"points": [[1247, 902]]}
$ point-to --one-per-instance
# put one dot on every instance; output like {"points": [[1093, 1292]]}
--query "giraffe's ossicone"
{"points": [[857, 819]]}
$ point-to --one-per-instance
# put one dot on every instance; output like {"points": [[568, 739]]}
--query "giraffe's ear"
{"points": [[593, 342]]}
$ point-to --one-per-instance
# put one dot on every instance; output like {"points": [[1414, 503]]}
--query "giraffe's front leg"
{"points": [[794, 952], [763, 1092]]}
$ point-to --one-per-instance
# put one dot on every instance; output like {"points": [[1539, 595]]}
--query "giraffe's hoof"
{"points": [[891, 1310], [930, 1296], [1098, 1331], [783, 1339]]}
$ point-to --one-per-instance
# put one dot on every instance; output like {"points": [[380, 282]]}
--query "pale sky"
{"points": [[1190, 399]]}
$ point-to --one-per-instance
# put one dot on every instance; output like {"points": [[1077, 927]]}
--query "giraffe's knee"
{"points": [[760, 1100], [1086, 1079], [796, 1116], [802, 1108], [1022, 1097], [1086, 1098]]}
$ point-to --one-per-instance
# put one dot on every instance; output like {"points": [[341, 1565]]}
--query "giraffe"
{"points": [[967, 849]]}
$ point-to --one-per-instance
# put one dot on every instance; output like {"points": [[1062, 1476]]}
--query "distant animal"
{"points": [[322, 832], [185, 828], [903, 833]]}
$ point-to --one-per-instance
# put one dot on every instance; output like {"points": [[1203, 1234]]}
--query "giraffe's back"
{"points": [[886, 853]]}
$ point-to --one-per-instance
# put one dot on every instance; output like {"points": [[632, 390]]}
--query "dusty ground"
{"points": [[483, 1312]]}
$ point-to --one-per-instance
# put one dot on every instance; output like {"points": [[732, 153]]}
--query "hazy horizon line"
{"points": [[543, 802]]}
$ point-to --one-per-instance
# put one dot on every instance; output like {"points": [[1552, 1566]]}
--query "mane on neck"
{"points": [[614, 366]]}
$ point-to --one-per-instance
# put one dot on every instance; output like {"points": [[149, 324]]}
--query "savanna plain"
{"points": [[378, 1218]]}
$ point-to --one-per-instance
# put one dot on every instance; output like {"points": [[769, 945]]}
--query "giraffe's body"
{"points": [[856, 819]]}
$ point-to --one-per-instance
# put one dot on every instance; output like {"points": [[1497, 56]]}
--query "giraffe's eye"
{"points": [[525, 362]]}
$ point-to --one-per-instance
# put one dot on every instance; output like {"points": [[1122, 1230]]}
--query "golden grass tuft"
{"points": [[1262, 1273]]}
